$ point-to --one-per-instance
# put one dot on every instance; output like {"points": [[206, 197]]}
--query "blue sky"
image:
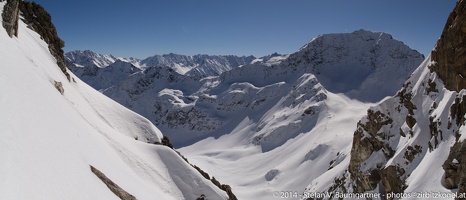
{"points": [[142, 28]]}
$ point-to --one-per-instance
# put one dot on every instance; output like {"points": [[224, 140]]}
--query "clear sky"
{"points": [[142, 28]]}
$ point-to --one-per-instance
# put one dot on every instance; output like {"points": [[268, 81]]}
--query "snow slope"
{"points": [[49, 140]]}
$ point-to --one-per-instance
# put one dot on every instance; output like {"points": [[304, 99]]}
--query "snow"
{"points": [[277, 123], [281, 123], [254, 174], [359, 64], [49, 140]]}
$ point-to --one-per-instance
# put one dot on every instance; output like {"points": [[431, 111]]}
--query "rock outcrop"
{"points": [[10, 17], [40, 21], [450, 64], [450, 52]]}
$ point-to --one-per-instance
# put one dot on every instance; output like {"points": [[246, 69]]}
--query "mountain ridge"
{"points": [[197, 66]]}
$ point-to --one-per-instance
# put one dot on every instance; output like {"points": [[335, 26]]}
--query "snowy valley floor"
{"points": [[254, 174]]}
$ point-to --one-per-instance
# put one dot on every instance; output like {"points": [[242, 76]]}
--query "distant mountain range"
{"points": [[87, 63]]}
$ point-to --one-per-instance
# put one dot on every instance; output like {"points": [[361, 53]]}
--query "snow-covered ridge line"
{"points": [[197, 66]]}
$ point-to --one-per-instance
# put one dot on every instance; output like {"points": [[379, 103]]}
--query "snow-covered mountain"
{"points": [[61, 139], [283, 122], [197, 66], [87, 63], [280, 116], [363, 65], [188, 110], [89, 59]]}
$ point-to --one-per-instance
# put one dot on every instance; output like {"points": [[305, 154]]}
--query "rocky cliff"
{"points": [[38, 20], [10, 17], [450, 64], [450, 52]]}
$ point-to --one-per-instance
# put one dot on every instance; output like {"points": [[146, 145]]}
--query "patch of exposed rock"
{"points": [[10, 17], [39, 20]]}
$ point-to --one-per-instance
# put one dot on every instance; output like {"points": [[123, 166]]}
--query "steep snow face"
{"points": [[49, 139], [359, 64]]}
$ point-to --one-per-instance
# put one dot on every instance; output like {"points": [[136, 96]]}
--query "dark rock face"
{"points": [[450, 58], [450, 52], [10, 17], [40, 21], [367, 141], [454, 167]]}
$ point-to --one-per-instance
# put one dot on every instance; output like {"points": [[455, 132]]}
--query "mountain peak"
{"points": [[360, 35], [358, 64]]}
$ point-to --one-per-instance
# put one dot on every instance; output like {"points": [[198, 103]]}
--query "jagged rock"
{"points": [[365, 142], [450, 52], [458, 109], [40, 21], [10, 17], [454, 171], [411, 152], [450, 58], [59, 86], [117, 190], [410, 121], [391, 179], [405, 99]]}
